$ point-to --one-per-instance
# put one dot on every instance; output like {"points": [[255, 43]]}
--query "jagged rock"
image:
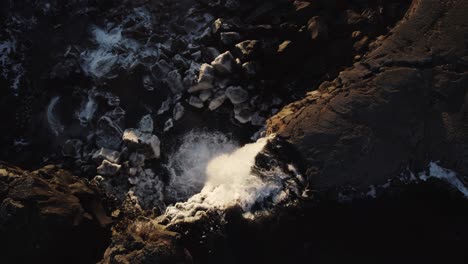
{"points": [[145, 143], [205, 95], [217, 101], [108, 168], [250, 68], [148, 83], [174, 80], [145, 241], [161, 69], [50, 209], [318, 28], [106, 154], [165, 106], [210, 53], [229, 38], [224, 63], [247, 49], [258, 120], [146, 124], [178, 111], [72, 148], [168, 124], [373, 120], [237, 95], [205, 79], [196, 102], [108, 133], [244, 116], [137, 159]]}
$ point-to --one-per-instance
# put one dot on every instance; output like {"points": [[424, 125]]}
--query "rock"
{"points": [[174, 80], [374, 120], [248, 49], [317, 28], [196, 102], [178, 111], [217, 101], [224, 63], [250, 68], [144, 241], [50, 209], [148, 83], [230, 38], [244, 116], [258, 120], [106, 154], [137, 159], [146, 124], [72, 148], [205, 95], [210, 53], [205, 79], [160, 69], [165, 106], [108, 168], [237, 95], [145, 143], [168, 125], [108, 133]]}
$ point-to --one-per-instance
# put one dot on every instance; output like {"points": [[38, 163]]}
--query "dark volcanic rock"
{"points": [[403, 105], [50, 216]]}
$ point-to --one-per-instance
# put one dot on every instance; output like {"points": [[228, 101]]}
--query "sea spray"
{"points": [[230, 181]]}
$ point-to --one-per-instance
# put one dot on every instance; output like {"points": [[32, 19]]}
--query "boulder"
{"points": [[106, 154], [230, 38], [237, 95], [217, 101], [146, 124], [145, 143], [108, 168], [224, 63], [178, 111], [205, 79]]}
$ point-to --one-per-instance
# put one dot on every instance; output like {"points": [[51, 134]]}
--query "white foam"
{"points": [[230, 182], [54, 123], [436, 171]]}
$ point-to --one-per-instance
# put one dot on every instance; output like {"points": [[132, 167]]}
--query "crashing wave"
{"points": [[232, 179]]}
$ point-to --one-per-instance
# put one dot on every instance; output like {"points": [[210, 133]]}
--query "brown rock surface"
{"points": [[404, 104], [50, 216]]}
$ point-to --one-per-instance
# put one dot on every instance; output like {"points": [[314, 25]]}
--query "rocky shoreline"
{"points": [[367, 100]]}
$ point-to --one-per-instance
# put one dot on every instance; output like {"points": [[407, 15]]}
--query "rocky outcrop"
{"points": [[402, 105], [50, 216]]}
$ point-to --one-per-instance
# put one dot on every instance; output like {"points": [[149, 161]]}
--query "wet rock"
{"points": [[210, 53], [148, 83], [217, 101], [106, 154], [108, 133], [178, 111], [230, 38], [237, 95], [145, 143], [196, 102], [247, 49], [168, 125], [146, 124], [205, 78], [224, 63], [72, 148], [108, 168], [317, 28], [205, 95], [174, 80]]}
